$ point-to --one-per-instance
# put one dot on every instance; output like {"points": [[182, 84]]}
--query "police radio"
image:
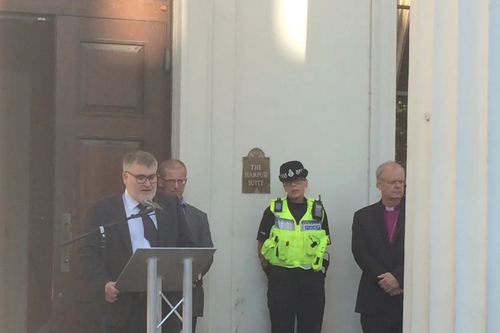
{"points": [[317, 209], [278, 205]]}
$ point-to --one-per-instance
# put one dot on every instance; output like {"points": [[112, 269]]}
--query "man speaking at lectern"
{"points": [[126, 312]]}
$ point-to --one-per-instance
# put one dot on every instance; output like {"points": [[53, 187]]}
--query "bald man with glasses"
{"points": [[173, 179]]}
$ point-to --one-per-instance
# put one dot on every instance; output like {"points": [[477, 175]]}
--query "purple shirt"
{"points": [[391, 218]]}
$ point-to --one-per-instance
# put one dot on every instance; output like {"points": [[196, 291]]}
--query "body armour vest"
{"points": [[291, 244]]}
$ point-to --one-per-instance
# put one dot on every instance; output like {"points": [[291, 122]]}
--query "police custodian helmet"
{"points": [[291, 170]]}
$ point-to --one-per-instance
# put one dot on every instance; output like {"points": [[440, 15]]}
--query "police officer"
{"points": [[292, 239]]}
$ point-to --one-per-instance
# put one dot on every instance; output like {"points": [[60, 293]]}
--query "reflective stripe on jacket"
{"points": [[292, 244]]}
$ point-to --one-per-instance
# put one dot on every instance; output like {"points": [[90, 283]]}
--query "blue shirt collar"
{"points": [[129, 202]]}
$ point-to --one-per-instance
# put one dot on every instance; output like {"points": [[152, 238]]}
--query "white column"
{"points": [[493, 269], [382, 96], [219, 304], [417, 243], [472, 167], [179, 74], [446, 251], [443, 120]]}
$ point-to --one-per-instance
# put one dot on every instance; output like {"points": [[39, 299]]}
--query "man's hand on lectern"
{"points": [[111, 292]]}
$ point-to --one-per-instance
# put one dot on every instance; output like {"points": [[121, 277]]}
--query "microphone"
{"points": [[150, 203]]}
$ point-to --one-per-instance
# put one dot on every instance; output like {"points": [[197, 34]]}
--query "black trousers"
{"points": [[387, 322], [179, 323], [295, 294], [195, 320]]}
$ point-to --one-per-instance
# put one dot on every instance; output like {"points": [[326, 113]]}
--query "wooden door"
{"points": [[15, 91], [112, 95]]}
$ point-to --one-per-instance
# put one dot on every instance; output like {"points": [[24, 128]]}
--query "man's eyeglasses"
{"points": [[175, 181], [395, 181], [296, 181], [141, 179]]}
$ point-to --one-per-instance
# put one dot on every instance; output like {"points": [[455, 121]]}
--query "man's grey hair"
{"points": [[381, 169], [139, 157], [171, 163]]}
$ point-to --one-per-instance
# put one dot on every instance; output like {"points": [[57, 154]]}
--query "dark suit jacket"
{"points": [[375, 255], [99, 270], [200, 234]]}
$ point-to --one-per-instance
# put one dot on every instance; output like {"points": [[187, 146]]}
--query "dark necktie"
{"points": [[150, 231]]}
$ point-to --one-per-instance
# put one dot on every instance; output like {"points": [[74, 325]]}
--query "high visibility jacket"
{"points": [[291, 244]]}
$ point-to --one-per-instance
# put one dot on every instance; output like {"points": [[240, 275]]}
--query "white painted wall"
{"points": [[307, 80]]}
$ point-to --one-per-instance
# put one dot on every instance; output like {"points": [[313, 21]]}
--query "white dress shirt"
{"points": [[135, 226]]}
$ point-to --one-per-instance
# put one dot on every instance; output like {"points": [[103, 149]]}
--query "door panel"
{"points": [[122, 64], [15, 91], [112, 96], [94, 185], [26, 161]]}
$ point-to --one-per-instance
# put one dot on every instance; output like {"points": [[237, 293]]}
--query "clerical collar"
{"points": [[391, 209]]}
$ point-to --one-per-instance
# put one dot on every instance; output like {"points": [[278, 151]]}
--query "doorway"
{"points": [[78, 90], [27, 167]]}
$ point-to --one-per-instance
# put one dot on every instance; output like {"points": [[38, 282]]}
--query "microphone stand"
{"points": [[101, 228]]}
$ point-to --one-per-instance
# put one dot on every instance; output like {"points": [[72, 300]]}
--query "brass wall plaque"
{"points": [[256, 172]]}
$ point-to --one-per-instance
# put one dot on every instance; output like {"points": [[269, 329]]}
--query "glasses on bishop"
{"points": [[141, 179]]}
